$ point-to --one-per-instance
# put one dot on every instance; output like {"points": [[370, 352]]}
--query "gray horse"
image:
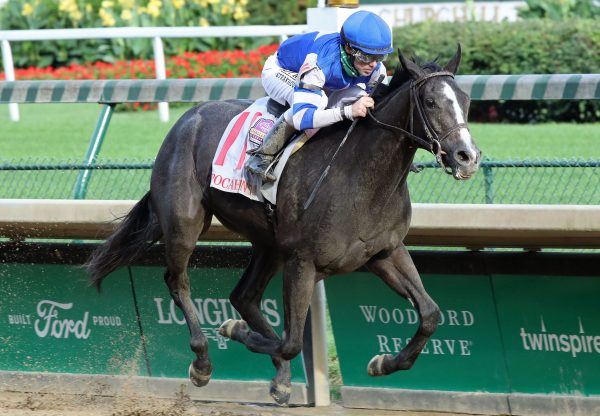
{"points": [[359, 216]]}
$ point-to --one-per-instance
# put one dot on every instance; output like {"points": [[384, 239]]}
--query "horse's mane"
{"points": [[402, 76]]}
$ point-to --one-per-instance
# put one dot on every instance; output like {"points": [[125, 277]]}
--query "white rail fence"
{"points": [[475, 226]]}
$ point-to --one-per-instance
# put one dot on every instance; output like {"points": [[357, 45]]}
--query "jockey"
{"points": [[325, 78]]}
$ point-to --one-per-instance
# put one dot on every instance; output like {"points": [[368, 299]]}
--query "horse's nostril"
{"points": [[462, 157]]}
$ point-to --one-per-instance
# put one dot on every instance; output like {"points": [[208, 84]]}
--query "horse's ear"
{"points": [[452, 65], [409, 66]]}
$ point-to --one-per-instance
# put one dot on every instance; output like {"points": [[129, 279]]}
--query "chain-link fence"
{"points": [[53, 179], [498, 182], [513, 182]]}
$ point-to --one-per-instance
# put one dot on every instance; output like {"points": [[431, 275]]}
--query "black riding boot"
{"points": [[262, 156]]}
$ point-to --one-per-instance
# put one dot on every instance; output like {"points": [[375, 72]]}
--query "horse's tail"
{"points": [[131, 239]]}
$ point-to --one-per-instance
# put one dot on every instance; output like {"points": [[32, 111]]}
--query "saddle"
{"points": [[244, 132]]}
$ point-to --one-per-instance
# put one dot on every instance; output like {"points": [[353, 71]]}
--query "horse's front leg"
{"points": [[246, 299], [399, 272], [298, 286]]}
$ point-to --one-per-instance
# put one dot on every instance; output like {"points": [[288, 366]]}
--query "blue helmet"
{"points": [[367, 32]]}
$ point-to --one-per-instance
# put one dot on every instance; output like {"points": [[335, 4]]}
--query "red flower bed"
{"points": [[213, 64]]}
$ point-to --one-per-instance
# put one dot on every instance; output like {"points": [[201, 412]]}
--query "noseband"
{"points": [[433, 140]]}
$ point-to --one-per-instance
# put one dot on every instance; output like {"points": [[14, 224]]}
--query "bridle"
{"points": [[433, 140]]}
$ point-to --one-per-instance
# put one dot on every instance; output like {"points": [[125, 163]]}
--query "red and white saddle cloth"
{"points": [[246, 131]]}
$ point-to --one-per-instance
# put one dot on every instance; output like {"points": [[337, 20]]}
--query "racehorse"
{"points": [[359, 216]]}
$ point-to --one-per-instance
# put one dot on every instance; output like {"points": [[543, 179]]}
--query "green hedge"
{"points": [[536, 46], [522, 47]]}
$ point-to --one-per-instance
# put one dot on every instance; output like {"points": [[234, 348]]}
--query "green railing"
{"points": [[500, 182], [479, 87]]}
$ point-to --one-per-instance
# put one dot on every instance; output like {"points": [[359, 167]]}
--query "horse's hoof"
{"points": [[280, 393], [198, 378], [230, 328], [375, 366]]}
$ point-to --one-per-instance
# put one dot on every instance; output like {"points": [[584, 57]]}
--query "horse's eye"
{"points": [[429, 102]]}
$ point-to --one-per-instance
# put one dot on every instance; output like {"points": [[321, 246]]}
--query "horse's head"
{"points": [[439, 115]]}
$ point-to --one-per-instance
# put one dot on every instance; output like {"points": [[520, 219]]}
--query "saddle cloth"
{"points": [[244, 132]]}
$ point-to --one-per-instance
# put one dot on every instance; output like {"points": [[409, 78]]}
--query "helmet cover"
{"points": [[368, 33]]}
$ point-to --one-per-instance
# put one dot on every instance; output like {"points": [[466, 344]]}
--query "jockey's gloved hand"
{"points": [[359, 108]]}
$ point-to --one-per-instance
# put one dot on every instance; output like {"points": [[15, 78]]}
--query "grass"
{"points": [[537, 141], [63, 131]]}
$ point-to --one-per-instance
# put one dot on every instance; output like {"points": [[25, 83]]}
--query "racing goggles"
{"points": [[365, 58]]}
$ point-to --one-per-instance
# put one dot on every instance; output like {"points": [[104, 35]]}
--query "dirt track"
{"points": [[36, 404]]}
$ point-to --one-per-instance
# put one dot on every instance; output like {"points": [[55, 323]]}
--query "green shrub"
{"points": [[522, 47], [276, 12], [560, 9], [537, 46]]}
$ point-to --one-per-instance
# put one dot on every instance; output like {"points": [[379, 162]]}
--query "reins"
{"points": [[432, 143]]}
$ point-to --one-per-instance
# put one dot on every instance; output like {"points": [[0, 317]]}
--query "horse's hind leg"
{"points": [[246, 299], [399, 272], [182, 223]]}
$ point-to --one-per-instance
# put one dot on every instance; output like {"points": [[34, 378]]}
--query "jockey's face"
{"points": [[363, 63], [363, 68]]}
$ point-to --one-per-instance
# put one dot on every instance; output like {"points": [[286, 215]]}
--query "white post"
{"points": [[327, 19], [9, 72], [318, 307], [161, 73]]}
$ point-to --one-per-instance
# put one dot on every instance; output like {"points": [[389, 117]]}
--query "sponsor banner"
{"points": [[167, 336], [465, 353], [551, 332], [52, 320], [396, 14]]}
